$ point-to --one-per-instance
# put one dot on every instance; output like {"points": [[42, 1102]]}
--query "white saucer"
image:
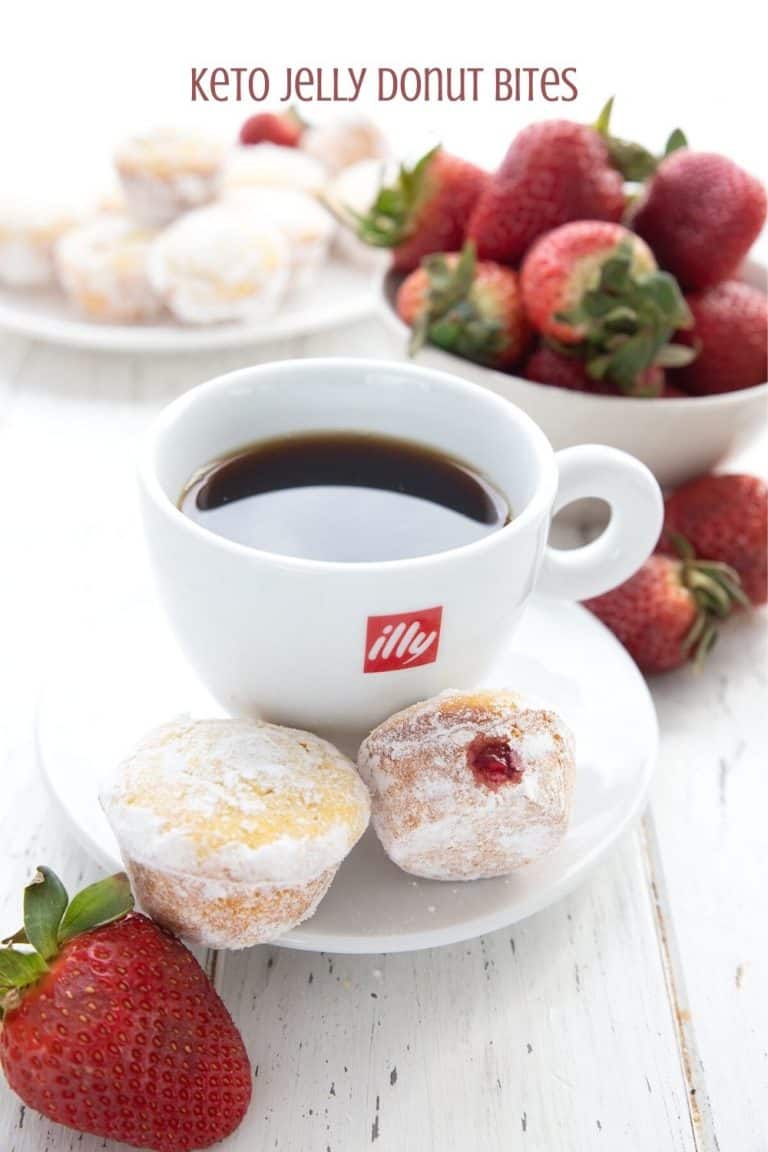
{"points": [[340, 293], [112, 683]]}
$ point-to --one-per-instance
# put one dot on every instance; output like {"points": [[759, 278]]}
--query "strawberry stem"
{"points": [[453, 318], [45, 902], [716, 587], [449, 283], [677, 139], [293, 116], [17, 969], [19, 937], [603, 122], [393, 215], [50, 921], [634, 161], [628, 319], [98, 904]]}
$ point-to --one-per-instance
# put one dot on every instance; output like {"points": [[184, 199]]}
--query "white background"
{"points": [[77, 75]]}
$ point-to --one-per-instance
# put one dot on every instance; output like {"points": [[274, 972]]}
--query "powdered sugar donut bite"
{"points": [[272, 166], [220, 263], [28, 235], [232, 830], [167, 172], [344, 141], [306, 224], [469, 785], [102, 267]]}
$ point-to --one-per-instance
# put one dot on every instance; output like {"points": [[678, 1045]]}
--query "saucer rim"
{"points": [[304, 938]]}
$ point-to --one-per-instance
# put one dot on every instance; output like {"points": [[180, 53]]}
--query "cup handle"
{"points": [[637, 513]]}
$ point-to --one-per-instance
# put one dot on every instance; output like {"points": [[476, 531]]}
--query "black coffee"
{"points": [[344, 497]]}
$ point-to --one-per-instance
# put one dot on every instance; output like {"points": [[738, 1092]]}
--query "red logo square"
{"points": [[403, 640]]}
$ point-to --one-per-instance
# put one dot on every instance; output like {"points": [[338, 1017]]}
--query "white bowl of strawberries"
{"points": [[633, 322]]}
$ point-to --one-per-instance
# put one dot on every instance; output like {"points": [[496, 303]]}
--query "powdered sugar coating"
{"points": [[306, 224], [344, 141], [435, 818], [102, 266], [166, 152], [272, 166], [232, 830], [28, 234], [220, 263], [167, 172], [237, 800]]}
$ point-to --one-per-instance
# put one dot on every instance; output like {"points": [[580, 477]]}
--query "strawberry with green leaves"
{"points": [[724, 518], [593, 287], [469, 308], [554, 172], [110, 1026], [281, 128], [558, 368], [564, 368], [425, 210], [667, 613]]}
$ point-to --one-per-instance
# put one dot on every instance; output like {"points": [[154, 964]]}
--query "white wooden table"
{"points": [[630, 1017]]}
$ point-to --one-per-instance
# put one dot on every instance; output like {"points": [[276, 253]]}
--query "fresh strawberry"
{"points": [[730, 331], [666, 613], [283, 128], [548, 366], [111, 1027], [701, 214], [554, 172], [593, 284], [723, 518], [468, 308], [568, 262], [426, 210]]}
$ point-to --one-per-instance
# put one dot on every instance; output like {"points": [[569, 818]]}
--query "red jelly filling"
{"points": [[493, 762]]}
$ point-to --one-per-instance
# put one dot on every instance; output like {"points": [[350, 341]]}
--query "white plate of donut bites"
{"points": [[236, 832], [202, 246]]}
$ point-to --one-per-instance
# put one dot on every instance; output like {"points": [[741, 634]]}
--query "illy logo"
{"points": [[403, 640]]}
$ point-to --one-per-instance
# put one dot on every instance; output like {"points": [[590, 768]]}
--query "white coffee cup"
{"points": [[331, 645]]}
